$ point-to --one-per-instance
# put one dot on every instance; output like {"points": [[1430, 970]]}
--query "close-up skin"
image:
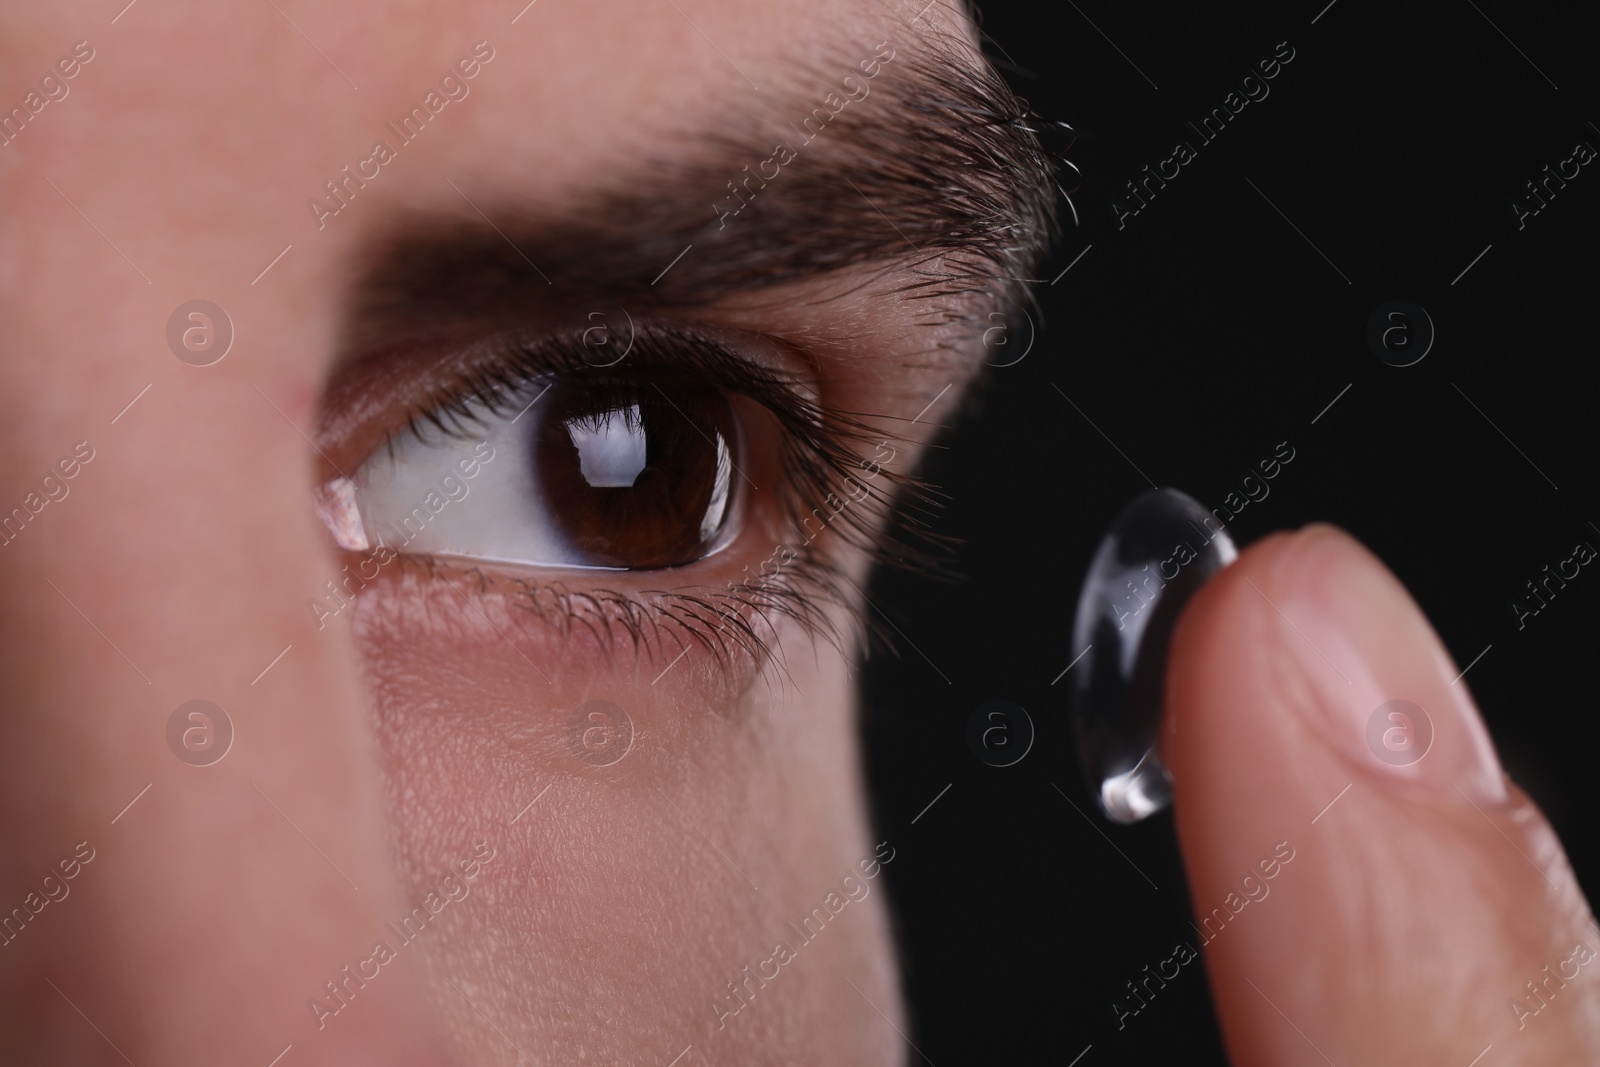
{"points": [[564, 371], [427, 724]]}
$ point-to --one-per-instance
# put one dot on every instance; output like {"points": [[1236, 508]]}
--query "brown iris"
{"points": [[636, 474]]}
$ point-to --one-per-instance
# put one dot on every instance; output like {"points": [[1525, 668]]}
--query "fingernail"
{"points": [[1381, 687]]}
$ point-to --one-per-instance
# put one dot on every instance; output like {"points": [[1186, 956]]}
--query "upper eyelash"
{"points": [[819, 457]]}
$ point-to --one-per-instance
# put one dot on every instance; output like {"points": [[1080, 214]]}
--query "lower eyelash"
{"points": [[723, 623]]}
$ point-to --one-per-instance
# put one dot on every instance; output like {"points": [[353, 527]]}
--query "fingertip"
{"points": [[1217, 638], [1411, 893]]}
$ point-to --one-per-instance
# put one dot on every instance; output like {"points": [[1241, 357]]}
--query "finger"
{"points": [[1362, 896]]}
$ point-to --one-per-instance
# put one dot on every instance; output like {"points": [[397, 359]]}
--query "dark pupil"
{"points": [[629, 471]]}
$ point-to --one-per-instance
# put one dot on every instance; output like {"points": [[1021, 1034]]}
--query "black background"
{"points": [[1196, 338]]}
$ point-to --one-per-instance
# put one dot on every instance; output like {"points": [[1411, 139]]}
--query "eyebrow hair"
{"points": [[936, 172]]}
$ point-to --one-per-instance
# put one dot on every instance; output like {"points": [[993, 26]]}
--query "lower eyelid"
{"points": [[552, 634], [470, 667]]}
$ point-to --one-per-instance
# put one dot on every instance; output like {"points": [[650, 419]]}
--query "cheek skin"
{"points": [[607, 926]]}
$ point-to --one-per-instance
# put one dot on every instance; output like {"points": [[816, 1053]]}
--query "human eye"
{"points": [[700, 475], [606, 469]]}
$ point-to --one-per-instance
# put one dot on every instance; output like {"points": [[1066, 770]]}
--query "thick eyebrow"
{"points": [[930, 166]]}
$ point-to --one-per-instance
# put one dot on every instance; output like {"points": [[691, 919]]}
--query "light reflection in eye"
{"points": [[718, 507], [612, 453]]}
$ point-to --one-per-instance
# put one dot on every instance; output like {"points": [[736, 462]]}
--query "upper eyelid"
{"points": [[499, 383], [377, 397]]}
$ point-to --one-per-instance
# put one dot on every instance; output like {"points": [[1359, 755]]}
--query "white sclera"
{"points": [[472, 496]]}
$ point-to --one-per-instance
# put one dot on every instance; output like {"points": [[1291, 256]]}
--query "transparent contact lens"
{"points": [[1159, 551]]}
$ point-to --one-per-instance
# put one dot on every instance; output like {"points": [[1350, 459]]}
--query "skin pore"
{"points": [[424, 730]]}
